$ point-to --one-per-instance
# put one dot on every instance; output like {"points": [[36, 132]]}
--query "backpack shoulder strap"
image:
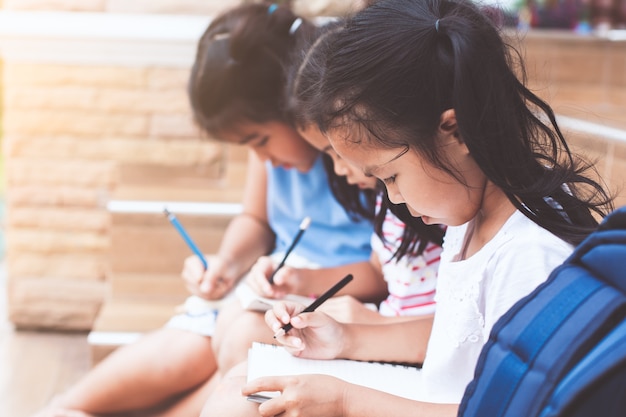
{"points": [[562, 318]]}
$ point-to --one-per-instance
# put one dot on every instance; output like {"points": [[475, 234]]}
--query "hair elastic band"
{"points": [[295, 25], [272, 8], [437, 25]]}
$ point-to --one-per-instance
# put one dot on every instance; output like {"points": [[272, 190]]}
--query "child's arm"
{"points": [[348, 309], [247, 237], [368, 285]]}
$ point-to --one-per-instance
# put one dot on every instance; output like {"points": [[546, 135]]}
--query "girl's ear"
{"points": [[447, 124], [449, 131]]}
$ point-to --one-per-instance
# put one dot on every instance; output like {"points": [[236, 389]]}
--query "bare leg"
{"points": [[190, 404], [224, 324], [161, 365], [227, 400]]}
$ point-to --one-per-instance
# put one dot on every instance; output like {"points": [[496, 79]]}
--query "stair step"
{"points": [[124, 320]]}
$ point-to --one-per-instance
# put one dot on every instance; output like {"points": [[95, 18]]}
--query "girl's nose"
{"points": [[263, 156], [341, 169], [394, 195]]}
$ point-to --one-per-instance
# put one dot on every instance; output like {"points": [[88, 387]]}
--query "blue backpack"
{"points": [[561, 351]]}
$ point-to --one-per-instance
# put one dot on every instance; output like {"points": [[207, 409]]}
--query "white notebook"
{"points": [[272, 360]]}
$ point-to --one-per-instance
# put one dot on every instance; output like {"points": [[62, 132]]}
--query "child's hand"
{"points": [[284, 280], [211, 284], [314, 335], [302, 395]]}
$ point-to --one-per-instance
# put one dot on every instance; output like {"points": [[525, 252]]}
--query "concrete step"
{"points": [[123, 320]]}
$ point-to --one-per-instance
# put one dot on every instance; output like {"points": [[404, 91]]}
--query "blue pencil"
{"points": [[172, 218]]}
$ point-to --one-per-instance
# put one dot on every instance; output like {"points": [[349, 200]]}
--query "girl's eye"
{"points": [[390, 180], [263, 141]]}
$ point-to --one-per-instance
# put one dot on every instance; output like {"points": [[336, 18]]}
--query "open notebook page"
{"points": [[272, 360]]}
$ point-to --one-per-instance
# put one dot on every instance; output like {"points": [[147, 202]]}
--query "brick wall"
{"points": [[78, 134]]}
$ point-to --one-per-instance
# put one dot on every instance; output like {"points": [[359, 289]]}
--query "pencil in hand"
{"points": [[181, 230], [303, 226], [315, 304]]}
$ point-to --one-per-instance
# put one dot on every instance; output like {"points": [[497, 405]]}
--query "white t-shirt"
{"points": [[472, 294]]}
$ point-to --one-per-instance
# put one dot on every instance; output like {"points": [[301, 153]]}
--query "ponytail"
{"points": [[238, 74]]}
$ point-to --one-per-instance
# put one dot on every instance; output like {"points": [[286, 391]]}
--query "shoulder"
{"points": [[520, 238], [526, 253]]}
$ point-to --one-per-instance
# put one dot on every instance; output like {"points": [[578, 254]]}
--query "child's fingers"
{"points": [[286, 280], [268, 383], [278, 316], [273, 406], [313, 319]]}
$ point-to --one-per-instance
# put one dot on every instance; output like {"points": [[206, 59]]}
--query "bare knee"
{"points": [[227, 316], [247, 328]]}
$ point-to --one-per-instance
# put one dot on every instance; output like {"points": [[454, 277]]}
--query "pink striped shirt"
{"points": [[411, 281]]}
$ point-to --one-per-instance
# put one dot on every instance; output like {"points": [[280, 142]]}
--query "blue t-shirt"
{"points": [[333, 238]]}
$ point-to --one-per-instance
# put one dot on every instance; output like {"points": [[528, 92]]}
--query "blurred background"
{"points": [[97, 139]]}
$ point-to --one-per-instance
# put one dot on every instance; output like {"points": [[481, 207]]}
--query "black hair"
{"points": [[303, 75], [399, 64], [303, 79], [239, 70]]}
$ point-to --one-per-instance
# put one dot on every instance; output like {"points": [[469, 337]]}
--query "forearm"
{"points": [[398, 319], [403, 341], [368, 284], [364, 402], [245, 240]]}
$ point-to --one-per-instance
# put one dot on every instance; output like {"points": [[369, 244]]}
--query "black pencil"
{"points": [[303, 226], [315, 304]]}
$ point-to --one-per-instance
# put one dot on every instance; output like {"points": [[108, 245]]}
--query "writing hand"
{"points": [[209, 284], [314, 335], [284, 280]]}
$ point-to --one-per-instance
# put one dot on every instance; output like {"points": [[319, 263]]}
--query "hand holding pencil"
{"points": [[304, 331], [263, 273], [201, 277]]}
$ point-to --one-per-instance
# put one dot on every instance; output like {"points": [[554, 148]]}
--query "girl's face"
{"points": [[353, 174], [276, 142], [429, 192]]}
